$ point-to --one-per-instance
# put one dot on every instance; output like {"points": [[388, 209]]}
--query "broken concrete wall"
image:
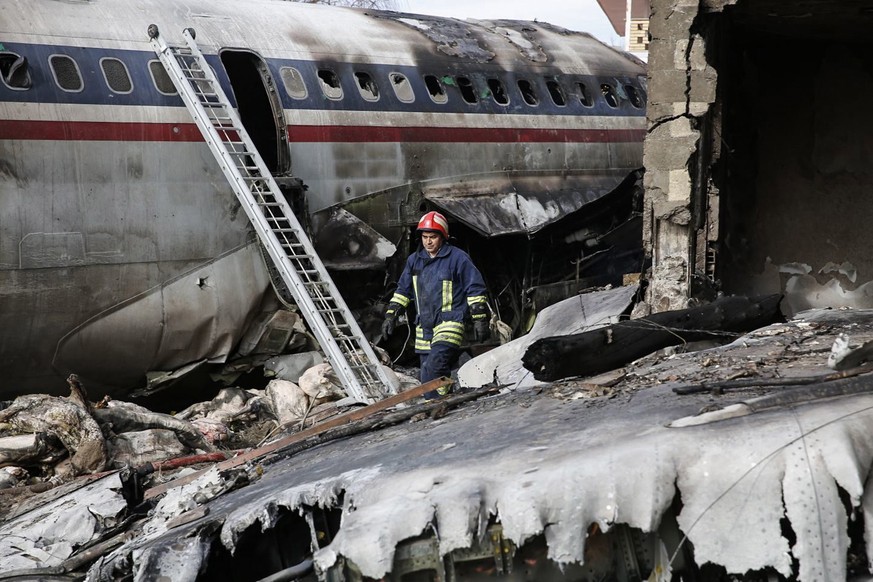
{"points": [[681, 91], [756, 157]]}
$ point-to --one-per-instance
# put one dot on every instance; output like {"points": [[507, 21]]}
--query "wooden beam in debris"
{"points": [[340, 420], [613, 346]]}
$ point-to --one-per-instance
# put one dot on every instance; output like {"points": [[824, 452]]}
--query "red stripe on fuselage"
{"points": [[117, 131]]}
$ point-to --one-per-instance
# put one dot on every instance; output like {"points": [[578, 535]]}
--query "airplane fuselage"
{"points": [[122, 247]]}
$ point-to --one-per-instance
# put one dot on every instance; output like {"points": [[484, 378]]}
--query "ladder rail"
{"points": [[345, 346]]}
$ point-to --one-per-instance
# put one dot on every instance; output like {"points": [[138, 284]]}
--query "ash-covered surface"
{"points": [[559, 458]]}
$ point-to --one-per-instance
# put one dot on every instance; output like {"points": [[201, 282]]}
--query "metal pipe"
{"points": [[290, 573]]}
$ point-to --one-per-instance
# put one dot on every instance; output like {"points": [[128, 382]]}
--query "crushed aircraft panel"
{"points": [[511, 205], [554, 464], [346, 242], [49, 534]]}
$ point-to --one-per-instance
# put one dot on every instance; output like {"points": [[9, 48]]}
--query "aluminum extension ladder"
{"points": [[345, 347]]}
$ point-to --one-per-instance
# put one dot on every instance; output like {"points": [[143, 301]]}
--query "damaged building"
{"points": [[756, 156]]}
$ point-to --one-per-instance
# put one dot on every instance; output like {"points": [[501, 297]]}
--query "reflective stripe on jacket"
{"points": [[443, 287]]}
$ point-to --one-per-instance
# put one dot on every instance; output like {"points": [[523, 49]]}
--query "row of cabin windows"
{"points": [[14, 72], [331, 88], [68, 77]]}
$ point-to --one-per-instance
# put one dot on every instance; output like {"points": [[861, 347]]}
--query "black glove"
{"points": [[390, 319], [481, 328]]}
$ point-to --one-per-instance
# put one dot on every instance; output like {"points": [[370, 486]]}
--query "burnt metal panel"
{"points": [[502, 205]]}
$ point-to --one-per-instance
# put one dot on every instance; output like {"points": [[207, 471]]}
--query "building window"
{"points": [[330, 84], [116, 76], [66, 73], [367, 86], [293, 81], [14, 71], [435, 89], [528, 93], [556, 92], [161, 79], [467, 91], [402, 88], [609, 95], [498, 91]]}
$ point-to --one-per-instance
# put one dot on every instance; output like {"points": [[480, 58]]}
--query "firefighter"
{"points": [[444, 284]]}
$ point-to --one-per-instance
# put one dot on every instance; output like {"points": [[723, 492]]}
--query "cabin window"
{"points": [[528, 93], [402, 88], [498, 91], [367, 86], [161, 79], [584, 95], [14, 71], [609, 94], [116, 75], [66, 73], [295, 86], [330, 84], [467, 91], [556, 92], [634, 96], [436, 89]]}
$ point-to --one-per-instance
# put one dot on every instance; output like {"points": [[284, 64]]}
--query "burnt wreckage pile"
{"points": [[620, 473]]}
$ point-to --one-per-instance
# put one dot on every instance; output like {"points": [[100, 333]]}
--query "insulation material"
{"points": [[144, 446], [320, 382], [288, 401]]}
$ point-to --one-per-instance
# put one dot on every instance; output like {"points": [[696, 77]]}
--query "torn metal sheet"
{"points": [[552, 467], [49, 534], [573, 315], [161, 328], [508, 205], [346, 242], [549, 474]]}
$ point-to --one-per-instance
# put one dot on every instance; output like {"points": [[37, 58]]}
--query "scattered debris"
{"points": [[570, 316], [561, 496], [593, 352]]}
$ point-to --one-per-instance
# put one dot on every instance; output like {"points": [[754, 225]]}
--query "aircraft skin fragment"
{"points": [[49, 534], [550, 466]]}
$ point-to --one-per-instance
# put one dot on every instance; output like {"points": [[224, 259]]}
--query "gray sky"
{"points": [[584, 15]]}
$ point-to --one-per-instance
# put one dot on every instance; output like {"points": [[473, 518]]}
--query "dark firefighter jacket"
{"points": [[443, 288]]}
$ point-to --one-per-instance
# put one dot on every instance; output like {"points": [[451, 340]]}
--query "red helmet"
{"points": [[434, 222]]}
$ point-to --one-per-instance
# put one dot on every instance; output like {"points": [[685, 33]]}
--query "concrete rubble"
{"points": [[626, 474]]}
